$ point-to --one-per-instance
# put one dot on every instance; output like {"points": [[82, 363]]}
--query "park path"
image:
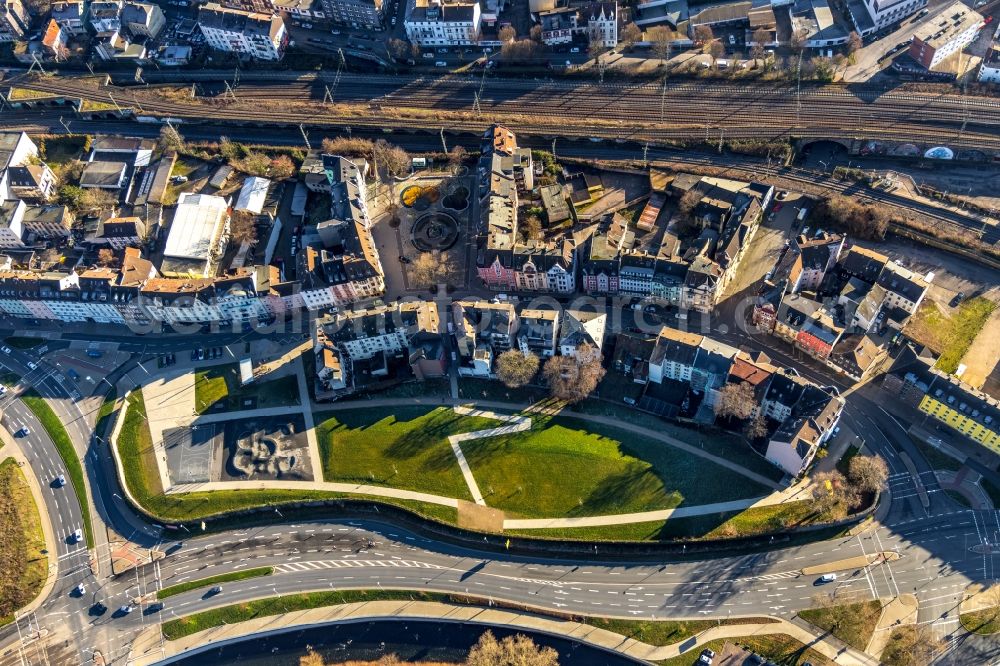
{"points": [[148, 648], [515, 424]]}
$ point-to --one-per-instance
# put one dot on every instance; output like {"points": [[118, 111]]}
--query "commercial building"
{"points": [[196, 235], [444, 23], [260, 36], [947, 34]]}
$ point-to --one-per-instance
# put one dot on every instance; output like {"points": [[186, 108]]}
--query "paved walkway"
{"points": [[148, 649], [897, 611], [516, 424]]}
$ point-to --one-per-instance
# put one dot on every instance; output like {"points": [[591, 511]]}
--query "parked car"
{"points": [[32, 365], [959, 297], [5, 349]]}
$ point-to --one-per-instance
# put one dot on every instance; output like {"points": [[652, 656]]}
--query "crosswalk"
{"points": [[313, 565]]}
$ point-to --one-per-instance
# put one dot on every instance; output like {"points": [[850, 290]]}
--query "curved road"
{"points": [[938, 559]]}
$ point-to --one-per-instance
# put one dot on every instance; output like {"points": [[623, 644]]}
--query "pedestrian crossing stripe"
{"points": [[290, 567]]}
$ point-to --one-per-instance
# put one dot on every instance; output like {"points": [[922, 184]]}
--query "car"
{"points": [[153, 608], [988, 20], [334, 32], [80, 589], [575, 49], [5, 349], [60, 481], [836, 431], [25, 431], [708, 653], [782, 194], [307, 26], [826, 578], [179, 179], [959, 297], [440, 63], [3, 389], [403, 259], [732, 40], [394, 20], [215, 590], [32, 365], [125, 609], [77, 536], [427, 56]]}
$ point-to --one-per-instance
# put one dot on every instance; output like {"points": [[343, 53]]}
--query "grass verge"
{"points": [[24, 564], [230, 577], [984, 622], [22, 342], [217, 388], [852, 623], [54, 427]]}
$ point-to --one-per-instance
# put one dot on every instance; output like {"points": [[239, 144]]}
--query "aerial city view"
{"points": [[499, 332]]}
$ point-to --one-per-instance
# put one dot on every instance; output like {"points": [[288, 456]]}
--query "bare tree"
{"points": [[689, 202], [631, 34], [735, 400], [456, 156], [392, 158], [282, 167], [832, 494], [170, 139], [96, 200], [243, 227], [596, 47], [661, 41], [518, 650], [515, 368], [756, 427], [910, 645], [105, 257], [854, 44], [507, 34], [431, 268], [703, 35], [414, 50], [531, 228], [759, 40], [868, 473], [398, 49], [573, 378], [716, 50], [798, 40], [536, 34]]}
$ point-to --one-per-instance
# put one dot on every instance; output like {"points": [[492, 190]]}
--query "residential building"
{"points": [[54, 41], [104, 16], [174, 55], [33, 183], [69, 16], [483, 331], [871, 16], [307, 10], [14, 21], [361, 334], [141, 19], [119, 233], [809, 425], [581, 327], [444, 23], [939, 396], [355, 13], [935, 41], [989, 70], [814, 23], [16, 149], [601, 20], [813, 258], [558, 25], [104, 175], [538, 332], [259, 36]]}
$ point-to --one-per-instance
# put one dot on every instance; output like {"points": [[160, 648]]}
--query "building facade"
{"points": [[255, 35]]}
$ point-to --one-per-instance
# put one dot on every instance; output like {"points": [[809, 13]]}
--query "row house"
{"points": [[361, 334], [810, 423], [538, 332], [69, 16], [580, 328], [813, 259], [693, 359], [444, 23], [22, 225], [596, 24], [367, 14], [483, 331]]}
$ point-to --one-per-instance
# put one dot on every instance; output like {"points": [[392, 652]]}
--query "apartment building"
{"points": [[69, 16], [141, 19], [14, 21], [444, 23], [538, 331], [483, 331], [259, 36], [356, 13], [989, 70], [361, 334], [934, 42], [579, 328], [596, 23], [871, 16]]}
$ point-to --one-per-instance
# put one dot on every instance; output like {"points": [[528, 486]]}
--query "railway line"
{"points": [[645, 112]]}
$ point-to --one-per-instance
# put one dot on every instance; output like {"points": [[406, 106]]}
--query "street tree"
{"points": [[536, 34], [398, 48], [910, 645], [415, 50], [735, 400], [798, 40], [759, 42], [392, 158], [832, 494], [854, 44], [573, 378], [716, 50], [517, 650], [432, 268], [507, 34], [661, 41], [596, 48], [868, 473], [631, 34], [515, 368]]}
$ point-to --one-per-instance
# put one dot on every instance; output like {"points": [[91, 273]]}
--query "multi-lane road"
{"points": [[937, 545]]}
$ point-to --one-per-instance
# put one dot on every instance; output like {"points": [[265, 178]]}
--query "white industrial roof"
{"points": [[197, 224], [253, 194]]}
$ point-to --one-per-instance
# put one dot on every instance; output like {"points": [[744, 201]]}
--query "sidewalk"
{"points": [[148, 649]]}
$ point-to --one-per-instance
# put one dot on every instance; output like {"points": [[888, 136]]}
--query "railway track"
{"points": [[638, 112]]}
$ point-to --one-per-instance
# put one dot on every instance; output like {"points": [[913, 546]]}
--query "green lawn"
{"points": [[22, 342], [936, 458], [54, 427], [136, 452], [663, 632], [220, 384], [567, 467], [24, 564], [852, 623], [485, 389], [950, 336], [984, 622], [63, 149], [230, 577], [778, 648], [405, 447], [844, 464]]}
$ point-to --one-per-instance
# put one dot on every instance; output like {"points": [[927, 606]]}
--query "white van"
{"points": [[440, 63]]}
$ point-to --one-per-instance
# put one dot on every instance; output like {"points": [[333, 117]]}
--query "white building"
{"points": [[872, 15], [945, 35], [989, 71], [15, 150], [602, 23], [437, 23], [253, 194], [196, 234], [260, 36]]}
